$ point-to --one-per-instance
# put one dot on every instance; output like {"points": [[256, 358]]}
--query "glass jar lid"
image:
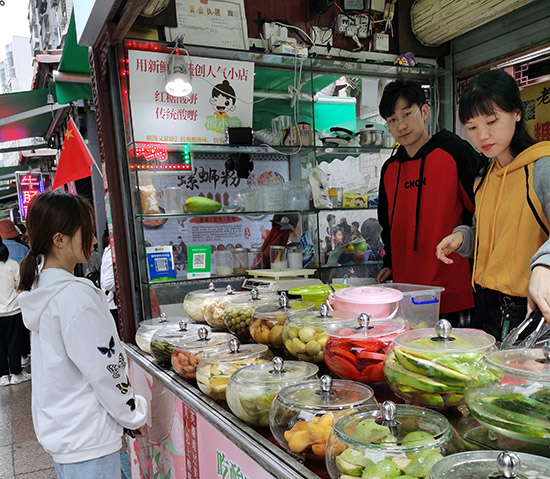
{"points": [[284, 307], [204, 341], [362, 328], [532, 364], [161, 321], [322, 317], [274, 373], [211, 292], [256, 298], [173, 332], [443, 338], [235, 351], [326, 393], [369, 295], [491, 465], [394, 427]]}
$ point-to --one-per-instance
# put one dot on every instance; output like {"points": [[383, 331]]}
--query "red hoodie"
{"points": [[421, 200]]}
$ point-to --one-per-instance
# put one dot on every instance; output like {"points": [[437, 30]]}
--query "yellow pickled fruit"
{"points": [[300, 441], [319, 449], [326, 419], [319, 433], [349, 248]]}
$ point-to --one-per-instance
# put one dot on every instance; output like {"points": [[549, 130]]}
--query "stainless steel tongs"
{"points": [[531, 339]]}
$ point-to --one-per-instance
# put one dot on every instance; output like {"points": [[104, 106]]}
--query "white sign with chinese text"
{"points": [[222, 97]]}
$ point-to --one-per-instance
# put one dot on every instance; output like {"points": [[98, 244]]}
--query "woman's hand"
{"points": [[447, 246], [539, 291], [383, 275], [140, 431]]}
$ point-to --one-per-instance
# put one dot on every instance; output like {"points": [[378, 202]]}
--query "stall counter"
{"points": [[192, 437]]}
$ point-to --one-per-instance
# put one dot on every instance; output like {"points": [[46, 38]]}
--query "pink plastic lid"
{"points": [[369, 295]]}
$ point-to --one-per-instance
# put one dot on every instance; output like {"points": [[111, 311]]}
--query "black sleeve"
{"points": [[467, 164], [384, 219]]}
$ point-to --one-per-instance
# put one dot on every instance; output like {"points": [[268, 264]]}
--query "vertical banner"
{"points": [[28, 186], [536, 102], [222, 97]]}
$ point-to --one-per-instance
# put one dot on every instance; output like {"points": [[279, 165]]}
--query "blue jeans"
{"points": [[106, 467]]}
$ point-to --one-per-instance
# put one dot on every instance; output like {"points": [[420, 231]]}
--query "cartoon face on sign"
{"points": [[223, 99]]}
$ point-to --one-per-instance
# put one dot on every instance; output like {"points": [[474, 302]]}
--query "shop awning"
{"points": [[27, 114], [72, 78]]}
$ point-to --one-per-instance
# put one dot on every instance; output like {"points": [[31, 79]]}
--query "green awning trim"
{"points": [[20, 102], [73, 60]]}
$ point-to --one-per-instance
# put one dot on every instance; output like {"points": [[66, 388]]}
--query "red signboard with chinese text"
{"points": [[28, 186]]}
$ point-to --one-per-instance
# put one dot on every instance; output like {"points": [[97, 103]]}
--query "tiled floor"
{"points": [[21, 457]]}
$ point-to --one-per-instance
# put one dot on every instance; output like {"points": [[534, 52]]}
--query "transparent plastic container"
{"points": [[213, 307], [304, 335], [303, 414], [432, 366], [509, 393], [266, 326], [187, 351], [238, 313], [215, 369], [491, 465], [162, 341], [148, 327], [192, 303], [393, 441], [251, 390], [356, 348]]}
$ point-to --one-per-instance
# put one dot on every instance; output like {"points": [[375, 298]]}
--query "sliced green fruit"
{"points": [[401, 462], [348, 468], [397, 374], [422, 463], [429, 368], [417, 437], [368, 430], [353, 456], [386, 469]]}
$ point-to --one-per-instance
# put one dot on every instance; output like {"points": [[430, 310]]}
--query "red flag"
{"points": [[75, 158]]}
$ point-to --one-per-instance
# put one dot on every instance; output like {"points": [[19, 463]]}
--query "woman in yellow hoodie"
{"points": [[512, 204]]}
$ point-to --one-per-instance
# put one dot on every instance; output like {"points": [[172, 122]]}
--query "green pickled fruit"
{"points": [[417, 437], [422, 463], [386, 469], [368, 431], [429, 368], [348, 468], [353, 456]]}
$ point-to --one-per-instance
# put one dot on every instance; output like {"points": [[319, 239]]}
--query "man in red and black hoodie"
{"points": [[426, 190]]}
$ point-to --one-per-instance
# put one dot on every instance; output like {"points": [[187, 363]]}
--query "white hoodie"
{"points": [[81, 398]]}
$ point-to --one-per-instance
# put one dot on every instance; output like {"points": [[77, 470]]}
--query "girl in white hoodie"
{"points": [[81, 396]]}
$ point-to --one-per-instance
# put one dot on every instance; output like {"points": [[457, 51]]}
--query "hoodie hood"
{"points": [[526, 157], [436, 141], [50, 282]]}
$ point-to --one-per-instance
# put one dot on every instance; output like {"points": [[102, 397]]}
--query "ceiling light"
{"points": [[178, 79]]}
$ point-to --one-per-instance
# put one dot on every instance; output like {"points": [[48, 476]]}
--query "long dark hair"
{"points": [[4, 252], [490, 89], [49, 214]]}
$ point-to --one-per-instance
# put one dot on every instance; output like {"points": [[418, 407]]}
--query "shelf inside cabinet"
{"points": [[187, 280]]}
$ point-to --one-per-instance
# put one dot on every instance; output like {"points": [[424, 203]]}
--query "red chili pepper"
{"points": [[342, 367]]}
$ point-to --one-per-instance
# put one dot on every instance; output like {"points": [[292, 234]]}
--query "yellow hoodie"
{"points": [[510, 224]]}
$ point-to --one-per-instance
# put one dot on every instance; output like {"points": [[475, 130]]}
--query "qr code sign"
{"points": [[199, 261]]}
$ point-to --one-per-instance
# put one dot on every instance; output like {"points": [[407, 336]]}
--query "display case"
{"points": [[282, 112]]}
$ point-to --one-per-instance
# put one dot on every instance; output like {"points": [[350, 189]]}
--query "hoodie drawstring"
{"points": [[418, 198], [395, 194]]}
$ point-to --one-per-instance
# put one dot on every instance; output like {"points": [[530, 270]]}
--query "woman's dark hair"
{"points": [[4, 252], [225, 89], [49, 214], [495, 89], [410, 91]]}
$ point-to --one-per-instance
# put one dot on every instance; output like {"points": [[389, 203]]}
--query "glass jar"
{"points": [[509, 393], [239, 260], [266, 325], [251, 390], [356, 349], [431, 366], [390, 442], [213, 307], [491, 465], [255, 258], [304, 335], [192, 303], [238, 313], [162, 341], [187, 351], [222, 263], [215, 369], [148, 327], [277, 257], [303, 414], [294, 256]]}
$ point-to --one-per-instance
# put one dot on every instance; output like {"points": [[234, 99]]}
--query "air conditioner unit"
{"points": [[434, 22]]}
